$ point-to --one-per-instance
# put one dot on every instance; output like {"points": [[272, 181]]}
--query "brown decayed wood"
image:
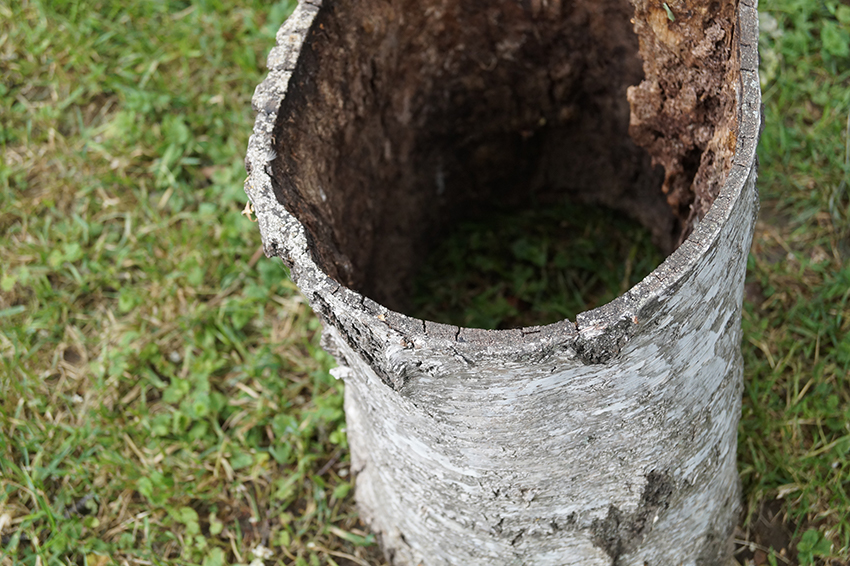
{"points": [[683, 112]]}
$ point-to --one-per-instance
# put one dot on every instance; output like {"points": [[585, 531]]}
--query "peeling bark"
{"points": [[610, 440]]}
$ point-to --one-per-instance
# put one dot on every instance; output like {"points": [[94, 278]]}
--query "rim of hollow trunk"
{"points": [[596, 336]]}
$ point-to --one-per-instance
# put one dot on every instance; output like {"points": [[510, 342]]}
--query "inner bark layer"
{"points": [[404, 116]]}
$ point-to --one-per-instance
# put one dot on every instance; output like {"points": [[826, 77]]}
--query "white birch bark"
{"points": [[608, 441]]}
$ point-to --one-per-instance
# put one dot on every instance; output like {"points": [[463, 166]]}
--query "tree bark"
{"points": [[610, 440]]}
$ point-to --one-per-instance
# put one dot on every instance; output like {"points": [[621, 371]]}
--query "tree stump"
{"points": [[610, 440]]}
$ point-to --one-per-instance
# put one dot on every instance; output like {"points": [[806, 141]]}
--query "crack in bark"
{"points": [[528, 331], [466, 360], [360, 340]]}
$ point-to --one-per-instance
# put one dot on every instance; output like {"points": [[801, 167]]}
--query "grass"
{"points": [[163, 399], [509, 269], [794, 442]]}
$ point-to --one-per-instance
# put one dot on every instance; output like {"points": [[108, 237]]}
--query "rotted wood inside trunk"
{"points": [[404, 117]]}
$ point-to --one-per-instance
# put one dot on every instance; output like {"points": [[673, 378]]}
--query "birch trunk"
{"points": [[610, 440]]}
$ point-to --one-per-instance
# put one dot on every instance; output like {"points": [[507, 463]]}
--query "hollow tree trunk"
{"points": [[610, 440]]}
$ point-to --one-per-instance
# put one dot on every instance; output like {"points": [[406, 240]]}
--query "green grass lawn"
{"points": [[163, 399]]}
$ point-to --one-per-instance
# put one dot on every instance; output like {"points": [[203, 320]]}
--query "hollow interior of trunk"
{"points": [[404, 117]]}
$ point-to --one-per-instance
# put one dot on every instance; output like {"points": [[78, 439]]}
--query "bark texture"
{"points": [[610, 440]]}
